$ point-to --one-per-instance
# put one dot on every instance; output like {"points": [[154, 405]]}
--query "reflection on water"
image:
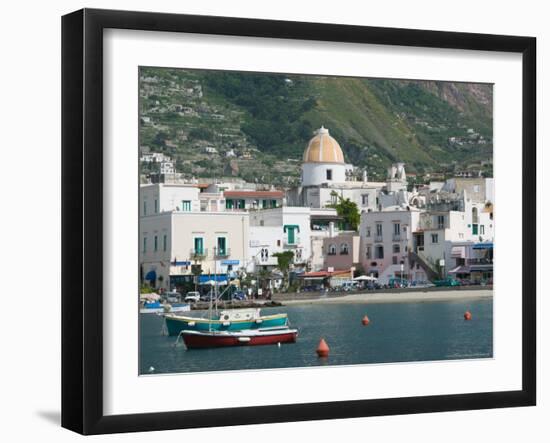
{"points": [[398, 332]]}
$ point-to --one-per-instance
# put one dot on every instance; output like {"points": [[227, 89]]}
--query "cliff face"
{"points": [[270, 117]]}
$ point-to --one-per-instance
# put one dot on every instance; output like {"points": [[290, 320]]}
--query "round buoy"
{"points": [[151, 369], [322, 349], [467, 315], [365, 321]]}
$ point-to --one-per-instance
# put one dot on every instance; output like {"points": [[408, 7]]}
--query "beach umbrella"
{"points": [[365, 278]]}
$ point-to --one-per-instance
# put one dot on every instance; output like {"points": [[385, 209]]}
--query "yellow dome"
{"points": [[323, 149]]}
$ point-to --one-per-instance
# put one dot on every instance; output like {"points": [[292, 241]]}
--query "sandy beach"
{"points": [[394, 297]]}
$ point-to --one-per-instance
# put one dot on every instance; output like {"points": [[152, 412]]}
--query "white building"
{"points": [[161, 197], [294, 227], [326, 177], [171, 242]]}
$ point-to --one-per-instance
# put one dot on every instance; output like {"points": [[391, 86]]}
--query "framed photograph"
{"points": [[270, 221]]}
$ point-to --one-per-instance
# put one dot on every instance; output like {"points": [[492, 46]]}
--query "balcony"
{"points": [[222, 253], [293, 244], [378, 238], [198, 254], [396, 237]]}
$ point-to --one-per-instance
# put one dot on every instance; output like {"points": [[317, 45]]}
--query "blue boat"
{"points": [[230, 320]]}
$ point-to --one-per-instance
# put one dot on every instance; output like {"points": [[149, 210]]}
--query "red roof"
{"points": [[324, 273], [254, 194]]}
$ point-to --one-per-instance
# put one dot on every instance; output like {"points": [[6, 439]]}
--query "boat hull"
{"points": [[217, 339], [176, 324]]}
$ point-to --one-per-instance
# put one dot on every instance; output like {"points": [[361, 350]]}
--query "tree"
{"points": [[349, 211], [284, 260]]}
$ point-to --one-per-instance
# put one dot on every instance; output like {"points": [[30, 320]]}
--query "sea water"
{"points": [[398, 332]]}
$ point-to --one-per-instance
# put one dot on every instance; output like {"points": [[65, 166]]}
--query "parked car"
{"points": [[192, 296], [172, 297], [447, 282]]}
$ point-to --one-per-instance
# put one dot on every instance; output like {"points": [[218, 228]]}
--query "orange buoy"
{"points": [[365, 321], [467, 315], [322, 349]]}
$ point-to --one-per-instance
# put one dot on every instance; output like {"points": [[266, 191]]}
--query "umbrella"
{"points": [[365, 278]]}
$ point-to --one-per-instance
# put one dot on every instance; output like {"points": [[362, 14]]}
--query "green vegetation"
{"points": [[349, 211], [284, 260], [429, 125]]}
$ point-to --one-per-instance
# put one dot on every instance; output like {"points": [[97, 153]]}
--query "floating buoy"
{"points": [[467, 315], [151, 369], [365, 321], [322, 349], [279, 344]]}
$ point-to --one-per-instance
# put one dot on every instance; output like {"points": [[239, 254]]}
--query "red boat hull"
{"points": [[194, 341]]}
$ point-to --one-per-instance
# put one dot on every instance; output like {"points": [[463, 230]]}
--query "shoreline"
{"points": [[394, 297]]}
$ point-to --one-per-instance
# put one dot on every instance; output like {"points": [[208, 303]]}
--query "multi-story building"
{"points": [[173, 241], [161, 197], [386, 239]]}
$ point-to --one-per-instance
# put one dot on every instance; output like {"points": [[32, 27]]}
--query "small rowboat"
{"points": [[250, 337]]}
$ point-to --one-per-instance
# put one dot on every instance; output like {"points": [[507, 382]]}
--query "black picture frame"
{"points": [[82, 218]]}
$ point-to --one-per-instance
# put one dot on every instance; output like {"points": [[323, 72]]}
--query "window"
{"points": [[440, 222], [329, 174], [474, 229], [291, 234], [332, 249], [396, 229], [229, 204], [379, 229], [199, 246], [222, 247], [144, 244], [435, 238], [144, 207], [186, 205], [476, 188], [273, 203], [164, 242], [278, 242], [394, 260], [368, 232], [264, 204], [156, 206], [365, 199], [474, 216], [369, 253], [344, 249], [333, 198], [156, 243], [482, 229], [396, 249], [379, 252]]}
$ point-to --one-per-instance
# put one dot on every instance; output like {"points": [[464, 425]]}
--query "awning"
{"points": [[481, 268], [207, 278], [151, 276], [488, 245], [460, 270], [458, 252], [286, 227]]}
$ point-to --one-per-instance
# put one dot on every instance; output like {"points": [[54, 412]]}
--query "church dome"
{"points": [[323, 149]]}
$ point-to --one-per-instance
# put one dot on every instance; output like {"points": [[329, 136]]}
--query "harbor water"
{"points": [[398, 332]]}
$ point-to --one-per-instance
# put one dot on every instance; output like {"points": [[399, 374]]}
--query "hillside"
{"points": [[259, 124]]}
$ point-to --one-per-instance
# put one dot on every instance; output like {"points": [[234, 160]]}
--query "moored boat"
{"points": [[228, 320], [249, 337]]}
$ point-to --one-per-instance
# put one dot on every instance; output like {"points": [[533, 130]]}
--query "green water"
{"points": [[398, 332]]}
